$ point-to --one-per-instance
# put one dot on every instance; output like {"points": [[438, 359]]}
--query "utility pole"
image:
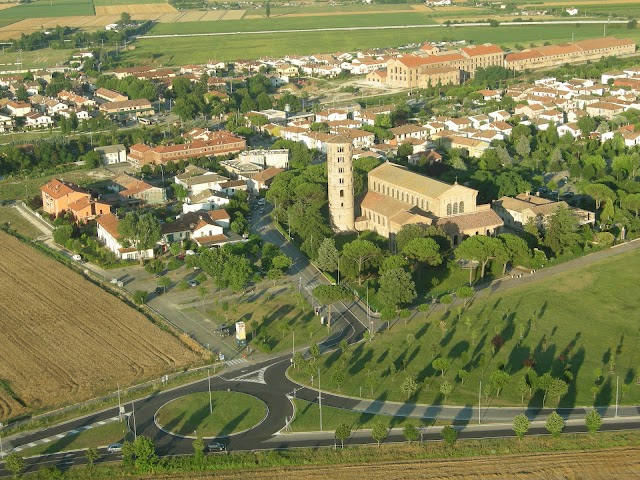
{"points": [[119, 405], [320, 398], [617, 384], [133, 414], [1, 451]]}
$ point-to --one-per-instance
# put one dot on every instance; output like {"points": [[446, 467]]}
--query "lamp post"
{"points": [[133, 414], [320, 398], [209, 380], [1, 451], [479, 400], [617, 384]]}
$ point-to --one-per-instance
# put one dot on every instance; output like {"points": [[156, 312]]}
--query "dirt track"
{"points": [[589, 465]]}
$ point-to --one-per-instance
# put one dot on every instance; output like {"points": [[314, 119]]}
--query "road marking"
{"points": [[61, 435], [236, 361], [45, 440], [102, 422], [32, 444]]}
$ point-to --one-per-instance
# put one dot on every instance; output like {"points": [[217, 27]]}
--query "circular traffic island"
{"points": [[191, 416]]}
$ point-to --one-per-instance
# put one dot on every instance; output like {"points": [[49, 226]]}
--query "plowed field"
{"points": [[64, 339], [589, 465]]}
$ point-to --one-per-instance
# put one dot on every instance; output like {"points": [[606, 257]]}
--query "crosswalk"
{"points": [[57, 437], [236, 361]]}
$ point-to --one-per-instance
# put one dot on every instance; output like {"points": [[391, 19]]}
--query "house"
{"points": [[457, 124], [473, 147], [262, 180], [490, 94], [139, 107], [6, 124], [17, 109], [604, 109], [331, 115], [499, 116], [108, 234], [57, 196], [359, 138], [145, 192], [205, 228], [570, 128], [524, 208], [38, 120], [404, 132], [55, 107], [86, 209], [112, 154], [197, 183], [110, 95]]}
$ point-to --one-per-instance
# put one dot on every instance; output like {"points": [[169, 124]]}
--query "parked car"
{"points": [[159, 290], [77, 258], [114, 448], [193, 283], [216, 447]]}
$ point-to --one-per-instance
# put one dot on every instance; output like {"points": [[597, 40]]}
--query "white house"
{"points": [[112, 154], [108, 234], [6, 123], [35, 120], [198, 183]]}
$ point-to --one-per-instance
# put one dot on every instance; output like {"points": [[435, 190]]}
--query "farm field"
{"points": [[66, 340], [46, 57], [104, 3], [46, 9], [581, 321], [134, 9], [283, 23], [180, 50]]}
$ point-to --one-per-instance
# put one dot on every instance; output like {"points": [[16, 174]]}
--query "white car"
{"points": [[114, 448]]}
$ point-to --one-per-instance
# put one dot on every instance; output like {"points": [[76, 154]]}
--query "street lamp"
{"points": [[1, 452], [209, 379], [320, 398]]}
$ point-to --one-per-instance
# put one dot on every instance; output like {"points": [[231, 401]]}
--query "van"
{"points": [[77, 258]]}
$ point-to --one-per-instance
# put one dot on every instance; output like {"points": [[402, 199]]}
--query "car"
{"points": [[158, 290], [567, 194], [77, 258], [261, 210], [261, 201], [216, 447], [114, 448], [193, 283]]}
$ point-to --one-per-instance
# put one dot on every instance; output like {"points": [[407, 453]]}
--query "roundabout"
{"points": [[221, 414]]}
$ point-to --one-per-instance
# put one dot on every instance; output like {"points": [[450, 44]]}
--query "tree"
{"points": [[379, 432], [410, 432], [560, 232], [180, 191], [141, 230], [465, 293], [343, 431], [140, 297], [523, 147], [330, 294], [281, 262], [463, 375], [441, 364], [558, 388], [586, 124], [14, 463], [328, 255], [145, 452], [92, 455], [62, 234], [521, 425], [409, 386], [125, 18], [91, 159], [479, 248], [449, 435], [600, 193], [359, 254], [515, 248], [267, 9], [314, 351], [396, 288], [164, 282], [445, 389], [198, 447], [128, 454], [423, 251], [593, 421], [555, 424], [498, 380]]}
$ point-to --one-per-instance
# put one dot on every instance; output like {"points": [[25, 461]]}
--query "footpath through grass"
{"points": [[232, 412], [580, 325]]}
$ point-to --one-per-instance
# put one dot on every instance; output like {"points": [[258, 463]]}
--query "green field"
{"points": [[18, 222], [311, 9], [36, 59], [106, 3], [114, 432], [290, 23], [577, 321], [232, 412], [180, 50], [46, 8]]}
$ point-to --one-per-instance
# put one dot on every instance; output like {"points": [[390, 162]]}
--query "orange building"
{"points": [[57, 196], [86, 209]]}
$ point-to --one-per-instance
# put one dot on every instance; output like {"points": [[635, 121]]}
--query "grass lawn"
{"points": [[15, 188], [18, 222], [278, 316], [49, 8], [45, 57], [307, 418], [291, 23], [228, 48], [106, 3], [232, 412], [113, 432], [582, 322]]}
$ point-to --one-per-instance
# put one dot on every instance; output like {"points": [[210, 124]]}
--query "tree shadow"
{"points": [[576, 361], [605, 394], [231, 426], [420, 333], [516, 359], [458, 349], [448, 336]]}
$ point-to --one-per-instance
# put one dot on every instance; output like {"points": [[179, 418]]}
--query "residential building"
{"points": [[17, 109], [197, 183], [110, 95], [108, 234], [266, 158], [6, 124], [38, 120], [139, 107], [86, 209], [524, 208], [262, 180], [58, 195], [112, 154]]}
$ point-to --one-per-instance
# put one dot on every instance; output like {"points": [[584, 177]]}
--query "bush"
{"points": [[174, 264], [449, 435]]}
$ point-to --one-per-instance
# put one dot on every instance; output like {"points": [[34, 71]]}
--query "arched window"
{"points": [[455, 208], [448, 209], [461, 207], [341, 193]]}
